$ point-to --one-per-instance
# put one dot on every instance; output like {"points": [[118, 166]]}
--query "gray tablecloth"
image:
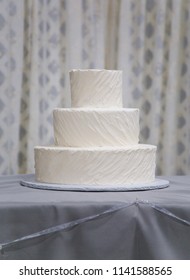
{"points": [[94, 225]]}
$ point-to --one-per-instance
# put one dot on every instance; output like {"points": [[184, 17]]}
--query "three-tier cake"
{"points": [[96, 140]]}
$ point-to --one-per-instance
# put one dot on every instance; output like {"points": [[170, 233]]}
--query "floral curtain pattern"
{"points": [[41, 40]]}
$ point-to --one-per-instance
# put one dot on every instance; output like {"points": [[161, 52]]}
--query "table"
{"points": [[94, 225]]}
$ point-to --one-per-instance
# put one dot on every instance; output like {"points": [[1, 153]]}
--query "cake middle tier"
{"points": [[96, 127]]}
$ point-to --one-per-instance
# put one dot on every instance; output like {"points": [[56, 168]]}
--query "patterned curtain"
{"points": [[11, 63], [41, 40]]}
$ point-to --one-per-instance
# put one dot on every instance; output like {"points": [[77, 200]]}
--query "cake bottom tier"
{"points": [[95, 166]]}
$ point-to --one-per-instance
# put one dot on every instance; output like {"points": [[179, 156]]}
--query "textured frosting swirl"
{"points": [[96, 166], [96, 88], [96, 127]]}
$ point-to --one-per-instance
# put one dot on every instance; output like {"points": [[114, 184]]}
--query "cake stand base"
{"points": [[31, 182]]}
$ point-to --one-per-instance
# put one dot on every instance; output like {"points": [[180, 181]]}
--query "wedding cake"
{"points": [[96, 140]]}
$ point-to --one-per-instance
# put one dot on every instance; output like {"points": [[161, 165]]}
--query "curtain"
{"points": [[41, 40]]}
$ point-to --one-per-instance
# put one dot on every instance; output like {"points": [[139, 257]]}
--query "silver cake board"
{"points": [[30, 181]]}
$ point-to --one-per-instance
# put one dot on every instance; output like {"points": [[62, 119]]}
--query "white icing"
{"points": [[96, 144], [97, 127], [96, 88], [96, 166]]}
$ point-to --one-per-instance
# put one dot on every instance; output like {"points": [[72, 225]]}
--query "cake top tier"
{"points": [[93, 88]]}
